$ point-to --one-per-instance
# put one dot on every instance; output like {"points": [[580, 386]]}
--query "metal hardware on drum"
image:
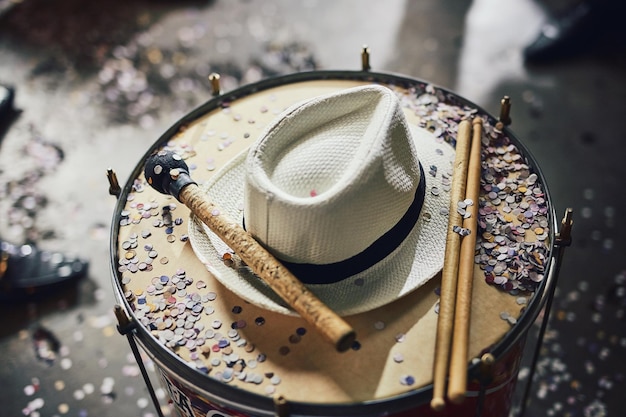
{"points": [[214, 79], [505, 111], [114, 186], [564, 238], [365, 58], [281, 405], [485, 376]]}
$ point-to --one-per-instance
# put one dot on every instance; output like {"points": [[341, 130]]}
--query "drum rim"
{"points": [[224, 392]]}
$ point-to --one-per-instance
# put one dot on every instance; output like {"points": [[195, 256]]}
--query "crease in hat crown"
{"points": [[331, 176]]}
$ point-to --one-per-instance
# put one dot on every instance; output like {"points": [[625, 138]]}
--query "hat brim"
{"points": [[418, 259]]}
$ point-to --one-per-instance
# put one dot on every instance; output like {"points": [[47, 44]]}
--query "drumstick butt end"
{"points": [[457, 397], [437, 404]]}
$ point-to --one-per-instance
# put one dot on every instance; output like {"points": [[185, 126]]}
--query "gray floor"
{"points": [[101, 81]]}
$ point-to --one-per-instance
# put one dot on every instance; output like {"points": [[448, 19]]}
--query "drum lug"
{"points": [[114, 186], [214, 79], [124, 324], [365, 58], [486, 368], [485, 377], [564, 236], [505, 111], [281, 406]]}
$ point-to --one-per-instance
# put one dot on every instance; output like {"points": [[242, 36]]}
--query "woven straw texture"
{"points": [[336, 167]]}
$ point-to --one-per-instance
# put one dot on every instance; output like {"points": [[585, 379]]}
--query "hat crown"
{"points": [[331, 176]]}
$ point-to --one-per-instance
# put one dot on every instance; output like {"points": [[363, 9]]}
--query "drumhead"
{"points": [[237, 353]]}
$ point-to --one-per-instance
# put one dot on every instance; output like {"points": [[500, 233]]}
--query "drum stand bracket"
{"points": [[126, 327], [562, 240]]}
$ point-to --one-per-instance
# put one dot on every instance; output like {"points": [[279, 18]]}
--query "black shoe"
{"points": [[27, 272], [576, 31], [8, 113], [7, 95]]}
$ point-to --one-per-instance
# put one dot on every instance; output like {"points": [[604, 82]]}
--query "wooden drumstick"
{"points": [[460, 339], [450, 268], [168, 173]]}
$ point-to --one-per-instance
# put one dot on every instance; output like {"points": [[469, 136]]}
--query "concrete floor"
{"points": [[101, 81]]}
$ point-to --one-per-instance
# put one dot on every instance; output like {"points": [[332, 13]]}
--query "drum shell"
{"points": [[192, 391], [497, 397]]}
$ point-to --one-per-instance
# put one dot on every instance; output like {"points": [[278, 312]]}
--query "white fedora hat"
{"points": [[342, 190]]}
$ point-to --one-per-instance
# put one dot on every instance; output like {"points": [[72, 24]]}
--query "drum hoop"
{"points": [[258, 402]]}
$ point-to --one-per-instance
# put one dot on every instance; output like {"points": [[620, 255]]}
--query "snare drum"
{"points": [[219, 355]]}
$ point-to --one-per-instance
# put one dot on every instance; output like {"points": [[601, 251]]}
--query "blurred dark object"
{"points": [[27, 272], [6, 5], [7, 95], [583, 28], [8, 113]]}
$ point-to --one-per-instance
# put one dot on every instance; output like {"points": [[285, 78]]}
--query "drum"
{"points": [[219, 355]]}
